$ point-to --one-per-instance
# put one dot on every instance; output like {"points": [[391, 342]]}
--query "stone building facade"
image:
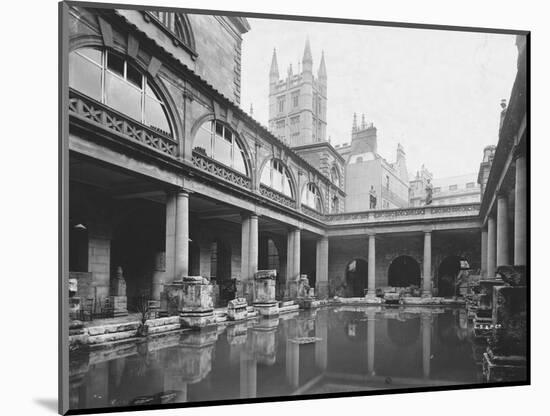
{"points": [[169, 178], [298, 103]]}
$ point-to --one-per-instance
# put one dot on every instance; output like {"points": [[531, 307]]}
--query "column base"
{"points": [[371, 298], [426, 294]]}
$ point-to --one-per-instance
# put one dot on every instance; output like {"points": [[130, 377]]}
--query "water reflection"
{"points": [[329, 350]]}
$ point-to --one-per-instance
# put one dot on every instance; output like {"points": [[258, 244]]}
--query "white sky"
{"points": [[436, 92]]}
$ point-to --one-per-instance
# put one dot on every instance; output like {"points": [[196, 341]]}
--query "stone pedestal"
{"points": [[236, 309], [120, 307], [264, 293], [192, 299], [74, 307], [505, 358], [264, 341]]}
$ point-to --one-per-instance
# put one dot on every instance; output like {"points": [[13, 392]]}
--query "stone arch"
{"points": [[318, 190], [157, 84], [291, 175], [404, 271], [356, 273], [209, 117]]}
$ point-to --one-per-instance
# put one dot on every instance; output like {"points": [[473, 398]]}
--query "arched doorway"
{"points": [[404, 271], [447, 275], [356, 277]]}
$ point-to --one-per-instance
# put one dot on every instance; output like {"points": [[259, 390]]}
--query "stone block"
{"points": [[110, 337], [191, 318], [237, 309], [267, 309], [264, 290]]}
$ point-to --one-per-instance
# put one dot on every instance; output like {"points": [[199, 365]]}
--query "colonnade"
{"points": [[495, 235]]}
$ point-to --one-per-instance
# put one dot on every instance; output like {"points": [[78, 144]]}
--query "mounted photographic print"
{"points": [[264, 207]]}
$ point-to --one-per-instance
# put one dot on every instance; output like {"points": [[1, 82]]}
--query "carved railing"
{"points": [[99, 114], [278, 197], [405, 214], [221, 171], [313, 213]]}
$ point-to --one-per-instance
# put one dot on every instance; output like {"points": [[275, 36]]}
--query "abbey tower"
{"points": [[298, 103]]}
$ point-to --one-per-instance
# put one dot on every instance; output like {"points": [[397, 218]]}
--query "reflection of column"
{"points": [[322, 268], [371, 292], [491, 247], [293, 363], [371, 339], [502, 230], [483, 252], [321, 346], [182, 235], [427, 286], [426, 344], [520, 212], [247, 376]]}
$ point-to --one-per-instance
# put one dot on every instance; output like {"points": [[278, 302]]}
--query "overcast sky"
{"points": [[435, 92]]}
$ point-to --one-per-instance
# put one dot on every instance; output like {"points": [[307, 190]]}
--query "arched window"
{"points": [[335, 205], [218, 142], [276, 176], [312, 198], [335, 176], [112, 80], [176, 24]]}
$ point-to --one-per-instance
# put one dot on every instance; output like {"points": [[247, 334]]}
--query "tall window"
{"points": [[311, 197], [334, 176], [387, 182], [175, 24], [295, 97], [217, 141], [281, 104], [112, 80], [276, 176]]}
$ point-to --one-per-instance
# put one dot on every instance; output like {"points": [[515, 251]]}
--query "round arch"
{"points": [[236, 137], [404, 271], [289, 172], [357, 277], [336, 174], [447, 275], [155, 82], [320, 195]]}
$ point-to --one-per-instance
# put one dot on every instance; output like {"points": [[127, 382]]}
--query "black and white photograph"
{"points": [[263, 207]]}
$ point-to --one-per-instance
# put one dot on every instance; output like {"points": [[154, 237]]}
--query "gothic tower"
{"points": [[298, 103]]}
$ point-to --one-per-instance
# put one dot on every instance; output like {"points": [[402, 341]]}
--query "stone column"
{"points": [[483, 252], [297, 245], [289, 256], [426, 344], [371, 289], [322, 268], [245, 253], [520, 212], [502, 230], [182, 235], [170, 238], [371, 341], [491, 247], [253, 256], [427, 265]]}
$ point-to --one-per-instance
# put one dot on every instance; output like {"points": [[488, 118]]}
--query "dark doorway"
{"points": [[447, 276], [404, 271], [356, 277], [220, 270]]}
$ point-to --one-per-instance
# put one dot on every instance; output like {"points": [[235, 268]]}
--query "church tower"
{"points": [[298, 103]]}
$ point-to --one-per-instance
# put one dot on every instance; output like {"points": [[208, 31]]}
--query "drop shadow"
{"points": [[48, 404]]}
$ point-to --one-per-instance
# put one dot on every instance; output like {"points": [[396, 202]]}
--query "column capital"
{"points": [[427, 231], [519, 151]]}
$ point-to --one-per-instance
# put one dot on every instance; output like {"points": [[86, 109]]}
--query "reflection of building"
{"points": [[369, 175]]}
